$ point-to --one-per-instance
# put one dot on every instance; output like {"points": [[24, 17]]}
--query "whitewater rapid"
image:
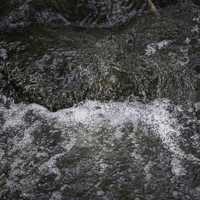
{"points": [[93, 115]]}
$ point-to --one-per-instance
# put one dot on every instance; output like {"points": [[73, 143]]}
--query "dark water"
{"points": [[99, 100]]}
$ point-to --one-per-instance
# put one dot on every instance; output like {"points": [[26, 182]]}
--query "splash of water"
{"points": [[92, 115]]}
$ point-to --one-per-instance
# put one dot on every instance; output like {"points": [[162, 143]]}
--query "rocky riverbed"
{"points": [[102, 105]]}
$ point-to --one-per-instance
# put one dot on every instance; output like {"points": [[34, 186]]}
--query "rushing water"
{"points": [[48, 138], [93, 115], [126, 122]]}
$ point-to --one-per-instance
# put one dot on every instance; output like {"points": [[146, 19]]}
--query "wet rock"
{"points": [[197, 108], [196, 2], [16, 15], [60, 67], [113, 148]]}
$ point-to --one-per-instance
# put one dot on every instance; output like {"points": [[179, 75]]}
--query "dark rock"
{"points": [[196, 2], [16, 15], [196, 65], [197, 109], [164, 3], [60, 67], [131, 144]]}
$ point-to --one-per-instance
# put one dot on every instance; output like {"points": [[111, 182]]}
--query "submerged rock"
{"points": [[152, 58], [82, 13], [15, 15], [112, 135]]}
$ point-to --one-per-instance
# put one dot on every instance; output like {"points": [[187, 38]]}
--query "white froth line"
{"points": [[93, 114], [117, 114]]}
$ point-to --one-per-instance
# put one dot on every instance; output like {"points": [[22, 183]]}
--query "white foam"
{"points": [[153, 47], [177, 168], [92, 115]]}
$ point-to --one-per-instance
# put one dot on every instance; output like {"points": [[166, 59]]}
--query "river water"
{"points": [[99, 114]]}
